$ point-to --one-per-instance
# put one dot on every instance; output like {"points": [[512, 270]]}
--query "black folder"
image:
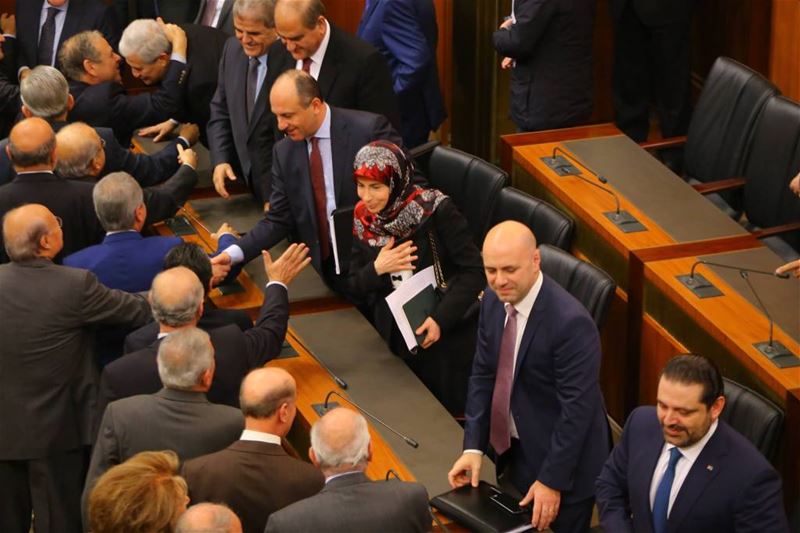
{"points": [[484, 509], [419, 308]]}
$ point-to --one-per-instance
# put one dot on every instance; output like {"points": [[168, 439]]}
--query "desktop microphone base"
{"points": [[779, 354], [320, 408], [625, 222], [561, 166], [699, 285]]}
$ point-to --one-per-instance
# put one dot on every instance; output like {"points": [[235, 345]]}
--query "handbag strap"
{"points": [[437, 265]]}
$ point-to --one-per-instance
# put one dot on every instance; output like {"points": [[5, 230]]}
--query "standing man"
{"points": [[216, 14], [678, 467], [405, 32], [534, 396], [547, 44], [351, 73], [312, 173], [46, 372], [241, 129]]}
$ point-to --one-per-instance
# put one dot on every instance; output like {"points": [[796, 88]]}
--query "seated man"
{"points": [[147, 50], [100, 99], [678, 467], [341, 448], [45, 94], [254, 475], [81, 157], [208, 517], [179, 417]]}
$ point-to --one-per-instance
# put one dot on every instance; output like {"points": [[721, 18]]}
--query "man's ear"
{"points": [[313, 457], [25, 111]]}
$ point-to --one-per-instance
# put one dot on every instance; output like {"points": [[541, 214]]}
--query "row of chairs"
{"points": [[480, 190]]}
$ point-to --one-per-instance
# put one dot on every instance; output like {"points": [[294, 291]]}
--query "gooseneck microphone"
{"points": [[408, 440]]}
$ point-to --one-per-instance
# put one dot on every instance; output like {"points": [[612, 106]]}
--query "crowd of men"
{"points": [[112, 352]]}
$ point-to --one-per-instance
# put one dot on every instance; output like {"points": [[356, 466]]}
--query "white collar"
{"points": [[693, 452], [46, 5], [260, 436], [525, 306], [324, 131], [330, 478], [319, 55]]}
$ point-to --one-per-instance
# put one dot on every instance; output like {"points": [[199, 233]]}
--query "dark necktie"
{"points": [[320, 198], [307, 65], [661, 501], [252, 84], [500, 422], [47, 38], [208, 14]]}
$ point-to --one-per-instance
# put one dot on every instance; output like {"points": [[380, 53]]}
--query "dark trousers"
{"points": [[50, 487], [573, 517], [651, 63]]}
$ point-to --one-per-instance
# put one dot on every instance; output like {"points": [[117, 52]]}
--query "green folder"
{"points": [[420, 307]]}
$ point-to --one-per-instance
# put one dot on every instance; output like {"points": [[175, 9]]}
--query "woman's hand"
{"points": [[433, 331], [391, 259]]}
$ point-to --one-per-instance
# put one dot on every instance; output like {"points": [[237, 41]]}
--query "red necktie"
{"points": [[500, 423], [307, 65], [320, 198]]}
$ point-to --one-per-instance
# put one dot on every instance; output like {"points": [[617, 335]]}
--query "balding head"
{"points": [[296, 102], [208, 518], [32, 145], [340, 442], [31, 231], [80, 151], [302, 26], [511, 261], [176, 298], [267, 399]]}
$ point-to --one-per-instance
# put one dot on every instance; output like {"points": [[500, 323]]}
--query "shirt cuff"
{"points": [[478, 452], [177, 57], [9, 36], [282, 284], [185, 141], [235, 253]]}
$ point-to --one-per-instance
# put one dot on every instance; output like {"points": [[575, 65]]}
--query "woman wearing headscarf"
{"points": [[400, 228]]}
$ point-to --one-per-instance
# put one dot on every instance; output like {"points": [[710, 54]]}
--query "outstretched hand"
{"points": [[288, 265]]}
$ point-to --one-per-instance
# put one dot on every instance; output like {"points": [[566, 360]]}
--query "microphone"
{"points": [[408, 440], [776, 352], [339, 381]]}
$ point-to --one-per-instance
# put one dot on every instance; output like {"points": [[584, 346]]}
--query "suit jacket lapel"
{"points": [[330, 65], [340, 149], [299, 158], [71, 22], [239, 84], [640, 484], [538, 314], [226, 9], [260, 107]]}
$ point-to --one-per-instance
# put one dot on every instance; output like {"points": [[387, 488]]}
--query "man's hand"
{"points": [[434, 333], [391, 259], [546, 502], [507, 23], [266, 207], [223, 229], [287, 266], [792, 267], [159, 132], [176, 36], [190, 132], [466, 469], [8, 24], [222, 172], [506, 63], [187, 156], [794, 185], [220, 266]]}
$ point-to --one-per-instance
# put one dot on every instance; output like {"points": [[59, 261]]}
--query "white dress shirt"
{"points": [[318, 56], [260, 436]]}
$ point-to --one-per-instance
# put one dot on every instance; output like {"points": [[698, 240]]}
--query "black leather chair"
{"points": [[588, 284], [422, 156], [471, 182], [755, 417], [550, 225]]}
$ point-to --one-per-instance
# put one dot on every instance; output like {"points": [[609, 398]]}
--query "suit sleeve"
{"points": [[265, 338], [163, 200], [481, 385], [218, 130], [611, 487], [147, 169], [760, 507], [105, 454], [576, 368], [146, 109], [403, 36], [519, 40], [101, 305], [375, 93]]}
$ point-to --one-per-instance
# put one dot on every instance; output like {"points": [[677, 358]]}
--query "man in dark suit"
{"points": [[405, 32], [217, 14], [32, 151], [351, 73], [44, 25], [547, 44], [92, 67], [178, 417], [174, 11], [652, 41], [350, 501], [678, 467], [241, 131], [312, 172], [47, 378], [534, 395], [177, 301], [254, 476], [146, 49]]}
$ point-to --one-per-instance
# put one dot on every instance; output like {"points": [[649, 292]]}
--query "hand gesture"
{"points": [[506, 63], [159, 132], [546, 502], [187, 156], [222, 172], [466, 469], [507, 23], [287, 266], [391, 259], [175, 35], [792, 267], [220, 266], [8, 24], [223, 229], [433, 331]]}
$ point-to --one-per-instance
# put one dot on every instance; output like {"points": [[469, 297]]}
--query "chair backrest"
{"points": [[422, 156], [550, 225], [723, 120], [588, 284], [755, 417], [471, 182], [773, 159]]}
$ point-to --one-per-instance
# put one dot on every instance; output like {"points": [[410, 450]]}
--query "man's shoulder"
{"points": [[348, 45], [87, 257], [131, 363], [355, 118]]}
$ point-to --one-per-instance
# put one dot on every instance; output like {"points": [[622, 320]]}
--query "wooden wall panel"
{"points": [[784, 63]]}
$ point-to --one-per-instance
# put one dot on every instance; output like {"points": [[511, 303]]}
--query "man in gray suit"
{"points": [[46, 371], [341, 448], [178, 417]]}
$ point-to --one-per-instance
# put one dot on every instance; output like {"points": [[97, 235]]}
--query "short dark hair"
{"points": [[690, 369], [314, 10], [193, 257]]}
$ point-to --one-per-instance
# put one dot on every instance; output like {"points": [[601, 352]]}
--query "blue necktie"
{"points": [[661, 501]]}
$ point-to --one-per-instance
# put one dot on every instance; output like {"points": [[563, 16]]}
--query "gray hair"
{"points": [[260, 10], [40, 155], [146, 39], [354, 453], [76, 163], [24, 246], [45, 92], [77, 48], [180, 312], [206, 518], [116, 198], [183, 357]]}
